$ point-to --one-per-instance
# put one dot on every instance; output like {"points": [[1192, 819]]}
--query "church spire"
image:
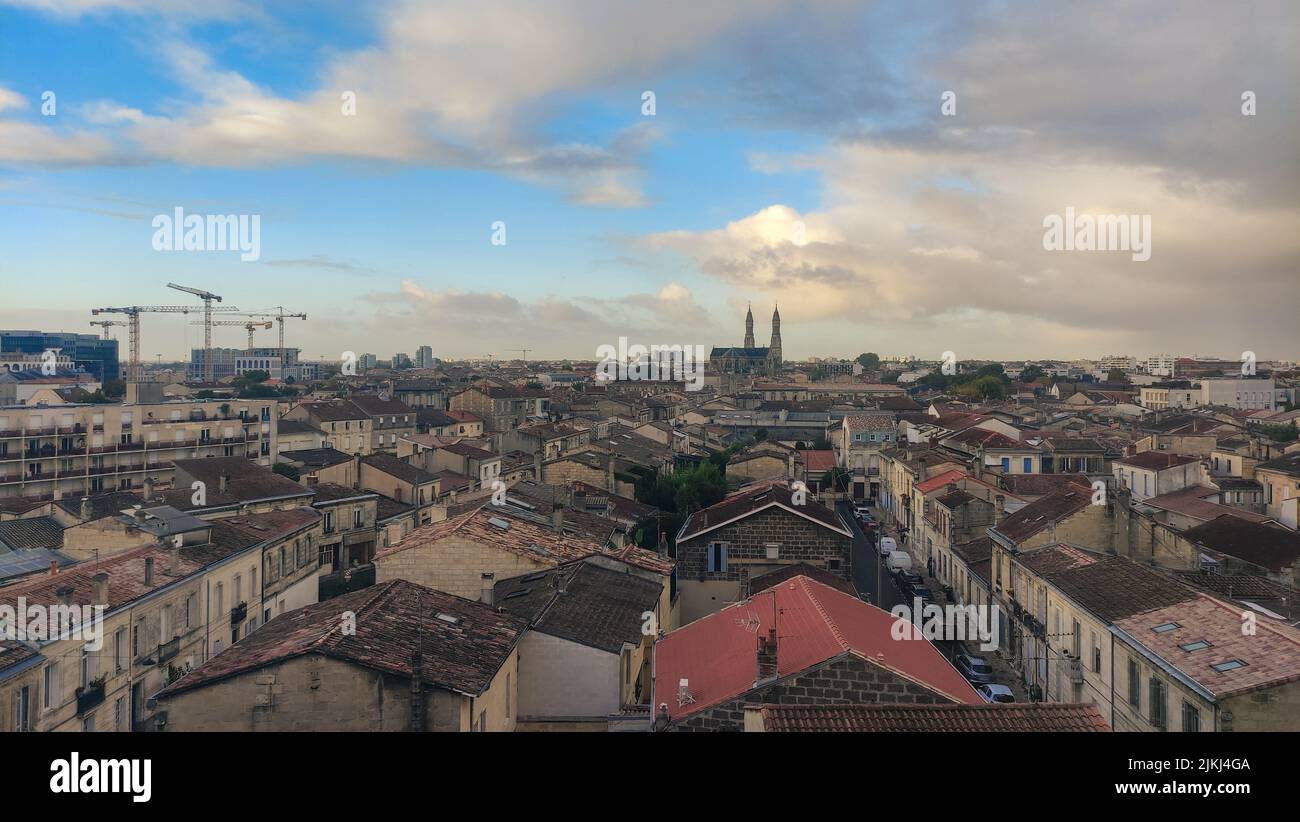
{"points": [[749, 327], [774, 351]]}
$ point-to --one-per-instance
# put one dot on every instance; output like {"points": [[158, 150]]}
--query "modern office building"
{"points": [[97, 356]]}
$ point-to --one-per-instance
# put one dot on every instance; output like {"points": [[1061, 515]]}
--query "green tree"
{"points": [[1280, 432], [869, 361]]}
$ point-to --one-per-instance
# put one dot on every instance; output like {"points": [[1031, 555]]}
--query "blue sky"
{"points": [[923, 231]]}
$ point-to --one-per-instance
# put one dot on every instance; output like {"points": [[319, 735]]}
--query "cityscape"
{"points": [[736, 367]]}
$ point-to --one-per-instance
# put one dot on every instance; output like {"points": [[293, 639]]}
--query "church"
{"points": [[749, 359]]}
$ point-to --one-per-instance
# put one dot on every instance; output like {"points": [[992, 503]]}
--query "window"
{"points": [[773, 550], [1029, 465], [1166, 627], [119, 713], [238, 589], [482, 721], [507, 696], [1195, 645], [1096, 654], [51, 698], [1158, 692], [716, 561], [1134, 684], [220, 598], [1191, 718], [119, 650], [1230, 665], [329, 522], [23, 710], [1076, 648], [86, 675], [88, 724], [136, 630], [358, 518], [1006, 465]]}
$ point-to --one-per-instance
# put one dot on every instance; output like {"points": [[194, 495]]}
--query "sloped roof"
{"points": [[1030, 716], [815, 623], [34, 532], [600, 607], [756, 498], [463, 643], [1043, 512]]}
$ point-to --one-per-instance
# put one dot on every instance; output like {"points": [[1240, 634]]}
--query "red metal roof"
{"points": [[814, 622]]}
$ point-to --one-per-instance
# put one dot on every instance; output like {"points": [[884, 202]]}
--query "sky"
{"points": [[881, 171]]}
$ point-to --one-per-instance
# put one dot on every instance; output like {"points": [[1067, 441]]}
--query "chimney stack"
{"points": [[952, 488], [1000, 508], [65, 594], [417, 691], [610, 485], [922, 476], [148, 488], [487, 588], [174, 560], [767, 667], [148, 570], [54, 567], [537, 466], [557, 518], [356, 471], [101, 588], [223, 483], [663, 543], [86, 511]]}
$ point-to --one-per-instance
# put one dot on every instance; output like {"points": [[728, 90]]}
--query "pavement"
{"points": [[866, 564]]}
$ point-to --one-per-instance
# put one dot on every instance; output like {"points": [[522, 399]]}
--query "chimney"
{"points": [[487, 592], [148, 488], [86, 512], [223, 484], [537, 465], [661, 718], [417, 691], [609, 474], [952, 488], [174, 560], [65, 594], [999, 508], [767, 668], [921, 475], [663, 543], [148, 570], [557, 518], [356, 471], [561, 583], [54, 567], [101, 588]]}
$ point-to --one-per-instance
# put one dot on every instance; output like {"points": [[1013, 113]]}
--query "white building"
{"points": [[1254, 393]]}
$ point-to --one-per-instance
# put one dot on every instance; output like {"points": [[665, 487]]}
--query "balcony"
{"points": [[239, 613], [89, 696], [169, 650]]}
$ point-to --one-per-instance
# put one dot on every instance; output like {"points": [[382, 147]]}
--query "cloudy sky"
{"points": [[798, 153]]}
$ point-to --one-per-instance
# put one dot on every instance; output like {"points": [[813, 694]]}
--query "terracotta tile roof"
{"points": [[501, 528], [816, 623], [755, 498], [399, 468], [376, 407], [12, 654], [940, 481], [600, 607], [1271, 655], [1191, 502], [870, 422], [1036, 485], [1156, 460], [644, 559], [1044, 511], [1039, 716], [1115, 587], [1269, 546], [818, 460], [1288, 464], [463, 643], [1052, 558], [800, 569], [987, 439], [248, 482]]}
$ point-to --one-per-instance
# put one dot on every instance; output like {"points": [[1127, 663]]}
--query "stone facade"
{"points": [[748, 541], [845, 679]]}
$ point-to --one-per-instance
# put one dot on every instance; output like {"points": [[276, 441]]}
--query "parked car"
{"points": [[907, 579], [862, 511], [887, 546], [993, 692], [974, 668], [897, 560]]}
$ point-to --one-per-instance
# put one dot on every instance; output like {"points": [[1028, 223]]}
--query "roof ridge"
{"points": [[381, 591], [826, 617]]}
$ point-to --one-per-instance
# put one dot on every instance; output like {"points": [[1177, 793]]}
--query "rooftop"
{"points": [[1035, 716]]}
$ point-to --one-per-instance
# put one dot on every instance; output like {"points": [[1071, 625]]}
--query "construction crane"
{"points": [[106, 324], [524, 351], [249, 327], [280, 316], [207, 297], [132, 323]]}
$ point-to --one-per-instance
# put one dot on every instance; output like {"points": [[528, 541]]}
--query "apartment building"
{"points": [[57, 451], [346, 427]]}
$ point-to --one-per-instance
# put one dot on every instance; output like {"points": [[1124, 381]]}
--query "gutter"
{"points": [[1160, 663]]}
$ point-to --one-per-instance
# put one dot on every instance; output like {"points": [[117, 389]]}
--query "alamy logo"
{"points": [[953, 623], [655, 362], [1108, 232], [210, 232], [129, 776], [38, 623]]}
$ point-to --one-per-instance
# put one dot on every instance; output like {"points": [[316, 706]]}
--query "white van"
{"points": [[887, 545], [899, 561]]}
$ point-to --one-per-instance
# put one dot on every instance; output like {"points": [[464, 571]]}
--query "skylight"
{"points": [[1194, 646], [1230, 665], [448, 618], [1166, 627]]}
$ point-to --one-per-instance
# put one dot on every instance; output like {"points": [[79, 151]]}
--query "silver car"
{"points": [[975, 668], [993, 692]]}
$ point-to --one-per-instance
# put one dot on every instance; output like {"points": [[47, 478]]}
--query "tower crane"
{"points": [[106, 324], [280, 316], [523, 351], [250, 327], [133, 312], [207, 297]]}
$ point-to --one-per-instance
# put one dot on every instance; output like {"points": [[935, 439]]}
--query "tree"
{"points": [[891, 377], [114, 388], [869, 361], [988, 388], [1116, 375], [1031, 373], [760, 435], [1280, 432], [837, 479]]}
